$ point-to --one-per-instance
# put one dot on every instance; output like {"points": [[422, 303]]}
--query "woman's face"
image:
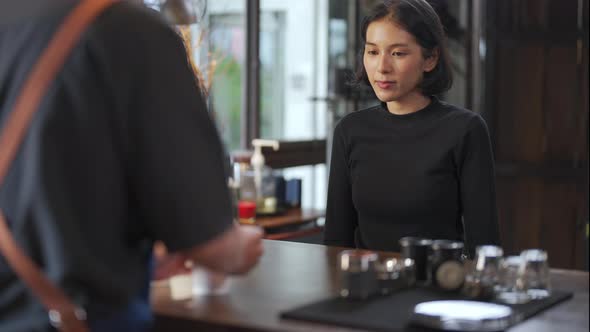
{"points": [[394, 61]]}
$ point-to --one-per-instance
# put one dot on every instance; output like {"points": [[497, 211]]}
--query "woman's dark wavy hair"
{"points": [[419, 19]]}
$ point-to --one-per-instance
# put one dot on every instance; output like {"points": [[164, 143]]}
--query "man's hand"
{"points": [[250, 247], [236, 251]]}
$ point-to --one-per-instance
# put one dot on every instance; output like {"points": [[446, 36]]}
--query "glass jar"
{"points": [[445, 265], [358, 274], [395, 274]]}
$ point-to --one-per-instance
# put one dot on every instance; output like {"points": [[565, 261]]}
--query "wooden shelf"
{"points": [[289, 218]]}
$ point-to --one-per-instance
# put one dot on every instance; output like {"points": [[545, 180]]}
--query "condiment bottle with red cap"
{"points": [[247, 212]]}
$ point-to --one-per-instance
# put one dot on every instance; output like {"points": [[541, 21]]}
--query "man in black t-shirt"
{"points": [[121, 153]]}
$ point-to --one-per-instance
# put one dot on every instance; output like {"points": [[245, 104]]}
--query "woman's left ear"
{"points": [[431, 61]]}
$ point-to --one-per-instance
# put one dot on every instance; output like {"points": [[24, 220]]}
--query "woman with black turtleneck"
{"points": [[413, 165]]}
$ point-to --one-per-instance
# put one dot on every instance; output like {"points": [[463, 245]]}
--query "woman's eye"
{"points": [[398, 54], [372, 52]]}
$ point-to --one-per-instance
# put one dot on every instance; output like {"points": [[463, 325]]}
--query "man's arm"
{"points": [[177, 180], [235, 251]]}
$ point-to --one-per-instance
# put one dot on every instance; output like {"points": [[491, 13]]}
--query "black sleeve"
{"points": [[477, 187], [341, 216], [179, 178]]}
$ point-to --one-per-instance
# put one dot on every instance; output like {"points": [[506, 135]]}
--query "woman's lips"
{"points": [[384, 84]]}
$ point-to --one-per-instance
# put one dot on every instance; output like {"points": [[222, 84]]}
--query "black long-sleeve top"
{"points": [[429, 174]]}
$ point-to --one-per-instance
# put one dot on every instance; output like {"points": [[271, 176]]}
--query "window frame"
{"points": [[291, 153]]}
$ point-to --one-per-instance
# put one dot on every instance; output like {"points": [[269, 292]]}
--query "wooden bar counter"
{"points": [[294, 274]]}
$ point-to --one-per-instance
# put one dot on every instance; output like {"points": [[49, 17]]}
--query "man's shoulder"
{"points": [[132, 16], [131, 23]]}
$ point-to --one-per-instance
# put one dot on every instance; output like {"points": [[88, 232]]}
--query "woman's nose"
{"points": [[384, 65]]}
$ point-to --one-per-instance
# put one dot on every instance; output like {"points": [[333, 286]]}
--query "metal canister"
{"points": [[417, 249]]}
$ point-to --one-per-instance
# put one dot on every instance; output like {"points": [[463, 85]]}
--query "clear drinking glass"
{"points": [[533, 274], [487, 264], [508, 290], [208, 282], [484, 274], [487, 268]]}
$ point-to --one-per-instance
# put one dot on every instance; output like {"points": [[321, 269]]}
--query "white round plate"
{"points": [[463, 315]]}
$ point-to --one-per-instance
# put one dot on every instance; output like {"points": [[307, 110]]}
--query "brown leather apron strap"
{"points": [[62, 312]]}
